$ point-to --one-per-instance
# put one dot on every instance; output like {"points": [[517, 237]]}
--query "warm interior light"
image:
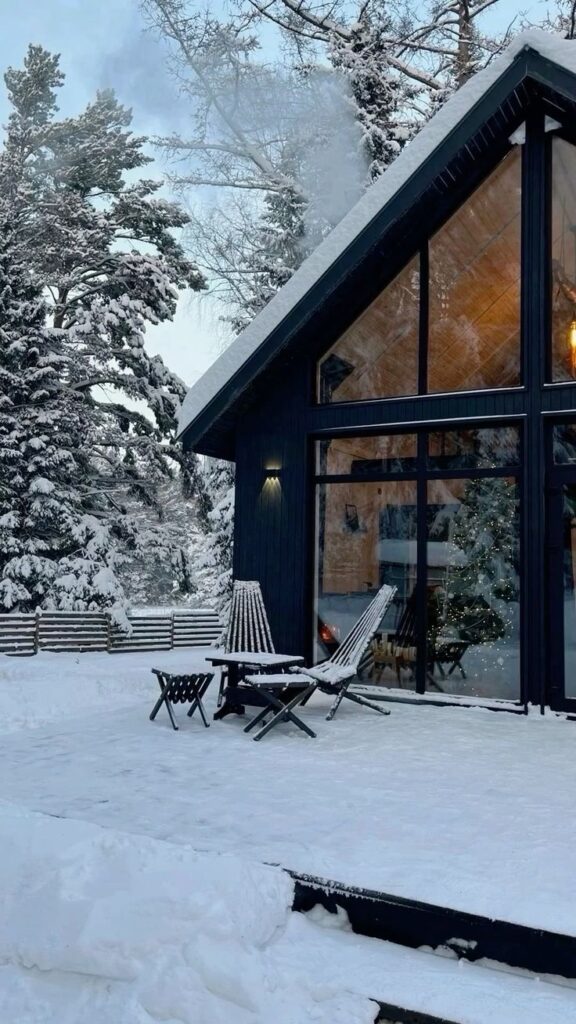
{"points": [[572, 346], [329, 634]]}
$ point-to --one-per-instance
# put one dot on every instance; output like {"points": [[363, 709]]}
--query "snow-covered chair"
{"points": [[335, 675], [248, 627]]}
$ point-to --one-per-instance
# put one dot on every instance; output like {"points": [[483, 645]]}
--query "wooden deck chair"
{"points": [[399, 649], [248, 626], [335, 675]]}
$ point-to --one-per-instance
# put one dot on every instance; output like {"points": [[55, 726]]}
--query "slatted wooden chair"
{"points": [[399, 650], [181, 689], [333, 676], [248, 627]]}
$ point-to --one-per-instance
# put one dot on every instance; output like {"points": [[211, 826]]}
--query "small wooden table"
{"points": [[236, 660]]}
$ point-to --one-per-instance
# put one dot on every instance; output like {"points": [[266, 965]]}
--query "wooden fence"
{"points": [[95, 631]]}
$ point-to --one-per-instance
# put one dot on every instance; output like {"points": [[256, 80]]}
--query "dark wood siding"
{"points": [[271, 540]]}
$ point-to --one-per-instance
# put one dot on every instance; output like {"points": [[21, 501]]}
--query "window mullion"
{"points": [[424, 318]]}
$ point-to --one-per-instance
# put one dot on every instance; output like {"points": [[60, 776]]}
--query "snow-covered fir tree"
{"points": [[215, 562], [179, 578], [45, 532], [102, 261], [482, 589]]}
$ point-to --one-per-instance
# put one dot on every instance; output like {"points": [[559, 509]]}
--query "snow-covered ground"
{"points": [[134, 885], [466, 808], [102, 927], [49, 687]]}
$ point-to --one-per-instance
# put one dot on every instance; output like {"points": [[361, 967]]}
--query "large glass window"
{"points": [[366, 536], [473, 587], [473, 289], [563, 261], [474, 322], [440, 522], [378, 355]]}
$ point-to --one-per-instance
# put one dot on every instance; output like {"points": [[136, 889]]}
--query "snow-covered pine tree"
{"points": [[275, 252], [382, 99], [215, 573], [102, 255], [47, 530], [483, 589], [179, 578]]}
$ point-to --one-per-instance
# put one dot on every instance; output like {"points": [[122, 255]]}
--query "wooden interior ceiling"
{"points": [[474, 332], [382, 344]]}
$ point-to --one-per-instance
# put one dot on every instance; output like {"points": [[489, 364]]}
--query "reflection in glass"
{"points": [[473, 593], [474, 448], [365, 536], [569, 529], [474, 323], [563, 261], [377, 357], [359, 456], [564, 444]]}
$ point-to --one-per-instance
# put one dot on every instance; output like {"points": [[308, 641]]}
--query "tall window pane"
{"points": [[377, 357], [474, 326], [473, 588], [365, 536], [563, 261]]}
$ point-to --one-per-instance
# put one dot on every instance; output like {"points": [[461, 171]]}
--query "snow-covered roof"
{"points": [[560, 51]]}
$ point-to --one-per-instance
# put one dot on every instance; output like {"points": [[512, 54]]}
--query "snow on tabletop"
{"points": [[553, 47], [464, 808]]}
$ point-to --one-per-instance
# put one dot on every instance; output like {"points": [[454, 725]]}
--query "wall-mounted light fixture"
{"points": [[272, 472]]}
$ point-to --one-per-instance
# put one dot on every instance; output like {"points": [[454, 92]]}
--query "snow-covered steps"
{"points": [[417, 986], [415, 924]]}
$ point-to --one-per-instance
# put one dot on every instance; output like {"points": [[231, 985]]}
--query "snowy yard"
{"points": [[153, 901]]}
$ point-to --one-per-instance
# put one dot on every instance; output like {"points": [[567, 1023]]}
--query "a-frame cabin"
{"points": [[404, 410]]}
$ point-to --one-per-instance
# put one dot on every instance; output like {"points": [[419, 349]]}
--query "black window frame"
{"points": [[422, 250], [422, 475]]}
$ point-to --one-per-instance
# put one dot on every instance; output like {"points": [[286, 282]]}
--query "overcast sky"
{"points": [[102, 44]]}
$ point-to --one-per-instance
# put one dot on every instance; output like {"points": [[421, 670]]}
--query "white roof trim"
{"points": [[554, 48]]}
